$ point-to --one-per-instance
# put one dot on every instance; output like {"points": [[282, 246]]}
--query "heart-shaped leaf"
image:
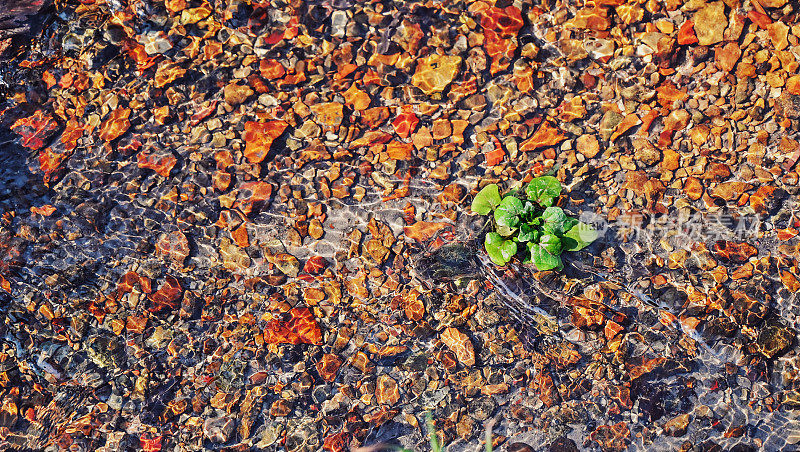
{"points": [[506, 216], [499, 249], [544, 190], [554, 220], [550, 243], [579, 237], [542, 259], [486, 199]]}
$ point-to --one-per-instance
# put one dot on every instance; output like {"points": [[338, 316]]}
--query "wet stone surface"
{"points": [[236, 225]]}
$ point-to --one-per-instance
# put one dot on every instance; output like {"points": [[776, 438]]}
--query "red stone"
{"points": [[116, 124], [328, 366], [546, 135], [50, 163], [301, 328], [167, 296], [405, 122], [686, 34], [337, 442], [315, 265], [759, 18], [734, 252], [252, 193], [500, 28], [271, 69], [161, 162], [259, 136], [494, 157], [35, 130], [72, 132], [151, 444]]}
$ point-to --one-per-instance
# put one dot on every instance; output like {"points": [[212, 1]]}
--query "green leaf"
{"points": [[579, 237], [527, 233], [569, 223], [433, 438], [542, 259], [550, 243], [486, 200], [506, 216], [544, 190], [499, 249], [554, 220]]}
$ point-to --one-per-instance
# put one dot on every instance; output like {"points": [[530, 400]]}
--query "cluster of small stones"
{"points": [[214, 246]]}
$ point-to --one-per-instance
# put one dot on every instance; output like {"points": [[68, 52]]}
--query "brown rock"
{"points": [[116, 124], [693, 188], [387, 392], [743, 272], [774, 340], [790, 281], [667, 94], [234, 258], [377, 250], [612, 437], [779, 33], [258, 137], [160, 161], [546, 135], [608, 124], [315, 229], [710, 23], [727, 56], [236, 94], [423, 230], [730, 190], [286, 263], [460, 344], [628, 122], [175, 246], [414, 308], [357, 99], [400, 151], [313, 296], [168, 72], [734, 252], [588, 145], [793, 84], [329, 114], [328, 366], [677, 426], [773, 3], [280, 408], [645, 151], [453, 193], [435, 72]]}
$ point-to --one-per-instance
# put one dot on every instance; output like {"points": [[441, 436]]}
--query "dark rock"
{"points": [[563, 444], [450, 262], [788, 105], [14, 16], [774, 340], [482, 408], [720, 327], [519, 447]]}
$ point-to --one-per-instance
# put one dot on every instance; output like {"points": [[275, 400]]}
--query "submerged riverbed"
{"points": [[236, 225]]}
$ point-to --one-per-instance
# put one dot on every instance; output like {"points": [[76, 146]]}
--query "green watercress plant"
{"points": [[532, 225]]}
